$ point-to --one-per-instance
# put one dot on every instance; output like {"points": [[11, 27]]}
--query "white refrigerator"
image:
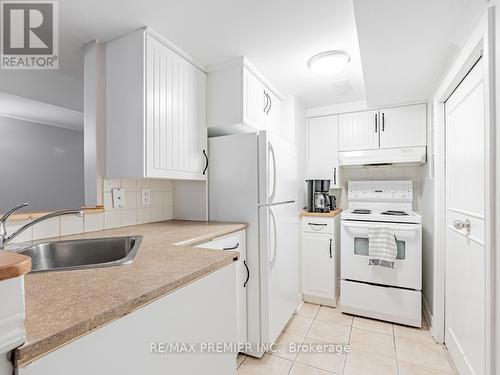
{"points": [[253, 179]]}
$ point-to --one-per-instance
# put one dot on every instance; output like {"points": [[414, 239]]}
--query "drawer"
{"points": [[318, 225], [234, 241], [381, 302]]}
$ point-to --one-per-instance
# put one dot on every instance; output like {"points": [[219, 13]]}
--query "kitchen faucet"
{"points": [[4, 239]]}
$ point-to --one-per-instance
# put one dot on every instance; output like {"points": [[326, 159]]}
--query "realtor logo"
{"points": [[29, 35]]}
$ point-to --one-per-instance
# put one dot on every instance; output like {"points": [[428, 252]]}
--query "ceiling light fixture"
{"points": [[329, 63]]}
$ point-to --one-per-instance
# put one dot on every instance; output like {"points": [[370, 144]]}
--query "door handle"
{"points": [[376, 123], [248, 274], [459, 225], [383, 121], [206, 162], [266, 98], [270, 103], [330, 248], [335, 176], [231, 248]]}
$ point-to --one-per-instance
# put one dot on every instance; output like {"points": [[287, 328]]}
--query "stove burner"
{"points": [[395, 213], [362, 212]]}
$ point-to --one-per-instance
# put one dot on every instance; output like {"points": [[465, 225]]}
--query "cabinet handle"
{"points": [[206, 162], [270, 103], [330, 248], [376, 123], [248, 274], [231, 248], [318, 225], [383, 121], [267, 100], [335, 176]]}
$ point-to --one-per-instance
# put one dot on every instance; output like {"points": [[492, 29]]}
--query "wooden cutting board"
{"points": [[13, 265]]}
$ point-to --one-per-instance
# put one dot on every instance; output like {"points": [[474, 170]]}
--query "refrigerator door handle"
{"points": [[273, 157], [275, 237]]}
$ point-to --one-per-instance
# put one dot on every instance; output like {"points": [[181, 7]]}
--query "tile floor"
{"points": [[375, 348]]}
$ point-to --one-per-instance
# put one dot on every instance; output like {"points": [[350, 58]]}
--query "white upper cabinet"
{"points": [[387, 128], [359, 131], [155, 110], [403, 126], [240, 99], [323, 150]]}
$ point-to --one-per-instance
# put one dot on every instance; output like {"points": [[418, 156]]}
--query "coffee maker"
{"points": [[318, 198]]}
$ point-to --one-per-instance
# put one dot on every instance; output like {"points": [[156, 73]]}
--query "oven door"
{"points": [[407, 271]]}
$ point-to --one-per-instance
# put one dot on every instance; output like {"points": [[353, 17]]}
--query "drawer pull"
{"points": [[317, 225], [231, 248], [248, 274]]}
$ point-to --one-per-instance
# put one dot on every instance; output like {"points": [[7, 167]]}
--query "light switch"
{"points": [[145, 197], [118, 197]]}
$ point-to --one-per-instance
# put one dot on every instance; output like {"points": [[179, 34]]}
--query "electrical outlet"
{"points": [[145, 197], [118, 197]]}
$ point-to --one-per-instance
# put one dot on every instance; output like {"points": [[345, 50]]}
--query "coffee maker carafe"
{"points": [[318, 199]]}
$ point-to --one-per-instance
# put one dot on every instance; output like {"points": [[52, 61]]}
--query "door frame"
{"points": [[480, 43]]}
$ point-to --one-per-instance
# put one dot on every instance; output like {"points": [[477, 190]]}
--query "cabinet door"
{"points": [[318, 262], [323, 149], [403, 126], [254, 101], [273, 114], [359, 131], [175, 115]]}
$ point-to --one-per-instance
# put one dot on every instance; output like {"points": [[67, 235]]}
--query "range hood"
{"points": [[410, 156]]}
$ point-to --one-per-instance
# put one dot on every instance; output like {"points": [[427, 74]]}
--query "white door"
{"points": [[323, 149], [176, 123], [403, 126], [279, 267], [359, 131], [277, 170], [465, 250], [318, 265]]}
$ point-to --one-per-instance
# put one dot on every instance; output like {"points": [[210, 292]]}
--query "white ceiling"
{"points": [[406, 46], [277, 36]]}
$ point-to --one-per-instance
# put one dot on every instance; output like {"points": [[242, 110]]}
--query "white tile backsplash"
{"points": [[11, 227], [133, 213], [93, 222], [382, 173], [46, 229], [112, 219], [71, 224]]}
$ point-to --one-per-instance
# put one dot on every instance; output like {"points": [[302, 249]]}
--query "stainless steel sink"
{"points": [[81, 254]]}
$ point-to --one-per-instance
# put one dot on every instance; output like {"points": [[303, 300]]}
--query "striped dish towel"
{"points": [[382, 247]]}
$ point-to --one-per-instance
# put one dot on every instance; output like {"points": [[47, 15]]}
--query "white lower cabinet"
{"points": [[320, 260], [236, 242], [202, 312]]}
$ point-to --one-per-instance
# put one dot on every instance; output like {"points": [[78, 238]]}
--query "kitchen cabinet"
{"points": [[403, 126], [155, 110], [236, 242], [358, 131], [240, 99], [143, 342], [396, 127], [320, 260], [323, 149]]}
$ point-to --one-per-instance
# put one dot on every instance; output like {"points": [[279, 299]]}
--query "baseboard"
{"points": [[427, 314]]}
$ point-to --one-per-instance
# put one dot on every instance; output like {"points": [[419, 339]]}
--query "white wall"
{"points": [[40, 164]]}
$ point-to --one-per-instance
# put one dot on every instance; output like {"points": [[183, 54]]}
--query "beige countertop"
{"points": [[322, 214], [62, 306]]}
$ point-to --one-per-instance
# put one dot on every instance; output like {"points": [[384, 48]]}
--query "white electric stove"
{"points": [[392, 294]]}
